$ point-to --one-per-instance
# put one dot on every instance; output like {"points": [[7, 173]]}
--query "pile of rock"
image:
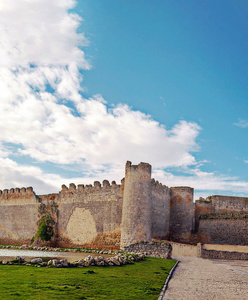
{"points": [[117, 260], [153, 249]]}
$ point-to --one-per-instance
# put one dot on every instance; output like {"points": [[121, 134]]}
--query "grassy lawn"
{"points": [[143, 280]]}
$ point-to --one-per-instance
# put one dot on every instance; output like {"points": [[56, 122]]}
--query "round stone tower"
{"points": [[136, 211]]}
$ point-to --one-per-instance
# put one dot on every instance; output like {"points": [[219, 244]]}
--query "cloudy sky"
{"points": [[87, 85]]}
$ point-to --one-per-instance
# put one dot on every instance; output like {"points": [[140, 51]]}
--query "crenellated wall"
{"points": [[18, 215], [140, 209], [160, 210], [90, 215]]}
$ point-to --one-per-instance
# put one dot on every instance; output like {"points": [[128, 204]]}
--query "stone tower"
{"points": [[136, 213], [181, 213]]}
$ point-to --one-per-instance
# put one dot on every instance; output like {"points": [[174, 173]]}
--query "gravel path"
{"points": [[198, 278]]}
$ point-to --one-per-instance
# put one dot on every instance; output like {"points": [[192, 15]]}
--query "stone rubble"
{"points": [[117, 260]]}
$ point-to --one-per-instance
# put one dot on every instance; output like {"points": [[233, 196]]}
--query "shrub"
{"points": [[45, 228]]}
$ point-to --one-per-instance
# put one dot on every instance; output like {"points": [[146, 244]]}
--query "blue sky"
{"points": [[96, 83]]}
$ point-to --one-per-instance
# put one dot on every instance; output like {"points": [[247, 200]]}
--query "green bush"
{"points": [[45, 229]]}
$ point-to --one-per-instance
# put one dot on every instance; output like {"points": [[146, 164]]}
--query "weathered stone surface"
{"points": [[100, 261], [56, 263], [181, 213], [36, 260], [115, 260], [20, 259], [89, 260], [136, 204], [153, 249], [64, 263]]}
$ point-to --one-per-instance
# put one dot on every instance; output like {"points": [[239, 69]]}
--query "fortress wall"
{"points": [[18, 215], [160, 210], [224, 231], [110, 215], [202, 206], [181, 213], [136, 213], [47, 199], [221, 204], [90, 216], [213, 254]]}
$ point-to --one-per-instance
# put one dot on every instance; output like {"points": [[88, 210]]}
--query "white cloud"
{"points": [[203, 182], [242, 123], [40, 48], [41, 63], [40, 32]]}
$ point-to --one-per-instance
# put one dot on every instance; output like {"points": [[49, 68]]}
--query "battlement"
{"points": [[97, 186], [180, 189], [156, 185], [142, 167], [17, 193]]}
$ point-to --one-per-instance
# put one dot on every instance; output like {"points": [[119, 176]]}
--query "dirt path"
{"points": [[197, 278]]}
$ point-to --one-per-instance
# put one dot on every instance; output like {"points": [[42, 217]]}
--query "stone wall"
{"points": [[202, 206], [181, 213], [18, 215], [153, 249], [224, 228], [90, 216], [222, 204], [213, 254], [179, 249], [160, 210]]}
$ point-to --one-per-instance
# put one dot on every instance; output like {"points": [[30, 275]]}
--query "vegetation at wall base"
{"points": [[142, 280], [45, 228]]}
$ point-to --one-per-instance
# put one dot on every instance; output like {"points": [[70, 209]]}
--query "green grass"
{"points": [[143, 280]]}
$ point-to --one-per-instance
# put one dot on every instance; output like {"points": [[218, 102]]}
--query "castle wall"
{"points": [[181, 213], [202, 207], [112, 216], [18, 216], [90, 216], [213, 254], [221, 229], [160, 210], [222, 204], [136, 213]]}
